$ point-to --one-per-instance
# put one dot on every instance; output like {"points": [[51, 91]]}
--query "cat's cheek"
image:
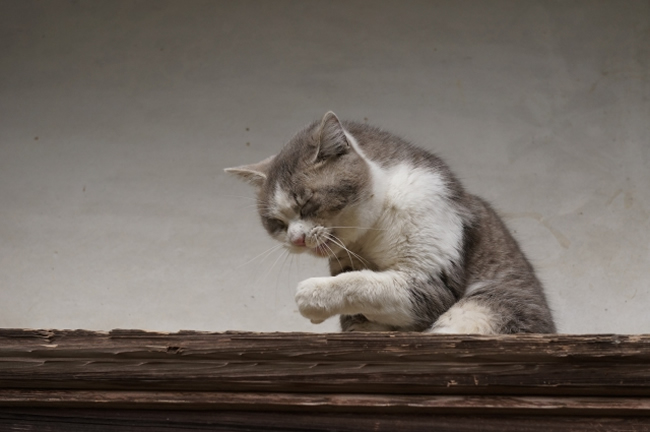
{"points": [[313, 299]]}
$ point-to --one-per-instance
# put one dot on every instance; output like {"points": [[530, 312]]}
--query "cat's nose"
{"points": [[299, 240]]}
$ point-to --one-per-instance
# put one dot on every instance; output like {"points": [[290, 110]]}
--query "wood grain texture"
{"points": [[285, 402], [389, 363], [293, 381], [176, 421]]}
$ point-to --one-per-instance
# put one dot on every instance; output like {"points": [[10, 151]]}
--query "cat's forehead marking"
{"points": [[283, 203]]}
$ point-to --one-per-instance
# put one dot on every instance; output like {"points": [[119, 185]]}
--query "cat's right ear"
{"points": [[332, 141], [254, 174]]}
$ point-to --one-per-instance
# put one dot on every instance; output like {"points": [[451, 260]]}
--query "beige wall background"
{"points": [[118, 117]]}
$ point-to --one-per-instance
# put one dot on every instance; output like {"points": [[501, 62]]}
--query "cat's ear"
{"points": [[332, 141], [254, 174]]}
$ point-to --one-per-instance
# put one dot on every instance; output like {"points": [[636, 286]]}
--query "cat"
{"points": [[409, 249]]}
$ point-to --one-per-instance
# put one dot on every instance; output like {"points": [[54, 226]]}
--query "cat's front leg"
{"points": [[382, 297], [317, 299], [392, 298]]}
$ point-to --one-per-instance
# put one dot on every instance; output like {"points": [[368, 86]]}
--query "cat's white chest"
{"points": [[417, 225]]}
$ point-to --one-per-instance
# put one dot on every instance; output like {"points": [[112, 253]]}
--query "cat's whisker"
{"points": [[266, 253], [339, 243], [331, 252], [358, 227], [236, 196], [359, 257], [265, 209], [328, 249], [258, 205], [242, 197], [277, 281], [266, 274], [290, 273], [331, 237]]}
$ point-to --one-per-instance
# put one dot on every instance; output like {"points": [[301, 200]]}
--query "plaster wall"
{"points": [[118, 117]]}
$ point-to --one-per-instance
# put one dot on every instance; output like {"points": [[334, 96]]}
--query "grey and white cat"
{"points": [[409, 249]]}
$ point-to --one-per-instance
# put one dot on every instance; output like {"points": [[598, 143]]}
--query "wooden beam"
{"points": [[390, 363], [285, 402], [399, 377]]}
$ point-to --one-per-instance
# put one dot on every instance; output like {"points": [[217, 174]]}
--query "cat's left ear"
{"points": [[254, 174], [332, 140]]}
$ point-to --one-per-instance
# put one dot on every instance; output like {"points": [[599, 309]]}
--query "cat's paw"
{"points": [[314, 299]]}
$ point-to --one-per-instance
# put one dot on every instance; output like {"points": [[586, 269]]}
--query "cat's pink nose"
{"points": [[298, 241]]}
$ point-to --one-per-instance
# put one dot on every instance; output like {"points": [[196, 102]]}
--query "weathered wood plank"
{"points": [[139, 381], [385, 363], [13, 419], [414, 404], [337, 346]]}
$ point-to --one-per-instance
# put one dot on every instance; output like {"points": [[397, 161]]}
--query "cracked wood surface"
{"points": [[392, 363], [399, 377]]}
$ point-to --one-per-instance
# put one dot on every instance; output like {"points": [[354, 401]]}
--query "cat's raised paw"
{"points": [[313, 299]]}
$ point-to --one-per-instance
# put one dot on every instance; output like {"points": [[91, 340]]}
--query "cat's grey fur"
{"points": [[408, 247]]}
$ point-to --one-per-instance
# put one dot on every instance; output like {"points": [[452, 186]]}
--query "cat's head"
{"points": [[311, 194]]}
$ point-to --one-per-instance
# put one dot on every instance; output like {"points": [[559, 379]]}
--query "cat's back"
{"points": [[389, 150]]}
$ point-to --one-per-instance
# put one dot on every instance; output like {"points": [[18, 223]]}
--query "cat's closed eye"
{"points": [[275, 225]]}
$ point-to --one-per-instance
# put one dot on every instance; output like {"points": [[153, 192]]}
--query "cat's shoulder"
{"points": [[391, 150]]}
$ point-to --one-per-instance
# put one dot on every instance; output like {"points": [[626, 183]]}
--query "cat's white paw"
{"points": [[313, 298]]}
